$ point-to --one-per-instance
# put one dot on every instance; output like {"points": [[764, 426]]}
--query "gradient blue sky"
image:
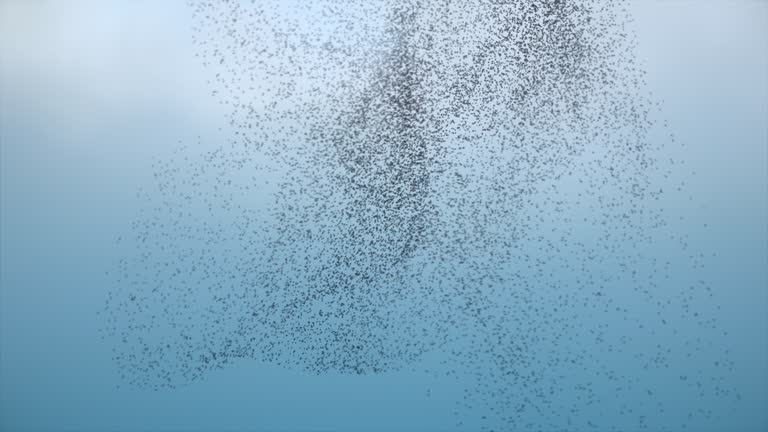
{"points": [[92, 92]]}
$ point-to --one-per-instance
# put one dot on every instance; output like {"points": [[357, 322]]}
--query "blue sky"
{"points": [[92, 92]]}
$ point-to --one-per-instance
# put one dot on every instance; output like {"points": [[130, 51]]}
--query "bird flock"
{"points": [[481, 179]]}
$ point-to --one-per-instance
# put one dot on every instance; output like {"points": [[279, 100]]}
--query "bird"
{"points": [[403, 177]]}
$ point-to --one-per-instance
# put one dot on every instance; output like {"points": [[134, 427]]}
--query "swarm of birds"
{"points": [[481, 179]]}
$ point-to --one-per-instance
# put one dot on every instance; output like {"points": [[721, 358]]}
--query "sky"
{"points": [[93, 92]]}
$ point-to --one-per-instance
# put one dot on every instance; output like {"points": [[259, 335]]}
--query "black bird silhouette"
{"points": [[472, 178]]}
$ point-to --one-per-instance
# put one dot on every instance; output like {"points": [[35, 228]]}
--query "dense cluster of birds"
{"points": [[483, 179]]}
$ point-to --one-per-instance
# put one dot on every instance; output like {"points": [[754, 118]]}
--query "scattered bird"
{"points": [[477, 179]]}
